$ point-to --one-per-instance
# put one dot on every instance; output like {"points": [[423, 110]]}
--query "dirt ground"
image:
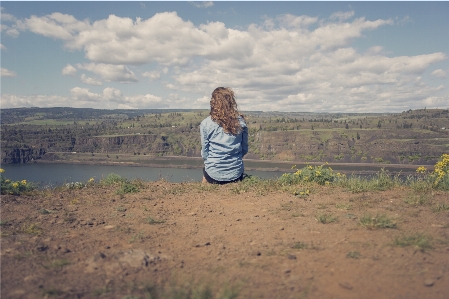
{"points": [[93, 243]]}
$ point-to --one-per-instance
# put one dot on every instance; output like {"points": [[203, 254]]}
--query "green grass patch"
{"points": [[419, 241], [377, 222], [326, 218], [353, 255], [441, 207], [151, 220]]}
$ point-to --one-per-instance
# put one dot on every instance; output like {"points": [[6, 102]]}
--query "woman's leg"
{"points": [[204, 180]]}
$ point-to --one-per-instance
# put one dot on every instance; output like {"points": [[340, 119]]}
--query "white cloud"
{"points": [[287, 63], [13, 32], [69, 70], [109, 72], [89, 80], [342, 16], [204, 4], [439, 73], [83, 94], [154, 75], [8, 73], [2, 47]]}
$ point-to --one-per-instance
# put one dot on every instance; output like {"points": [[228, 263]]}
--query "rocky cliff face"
{"points": [[21, 155]]}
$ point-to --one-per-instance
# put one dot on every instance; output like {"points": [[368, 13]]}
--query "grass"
{"points": [[440, 208], [31, 229], [343, 206], [58, 263], [326, 218], [353, 255], [300, 245], [151, 220], [419, 241], [417, 199], [377, 222]]}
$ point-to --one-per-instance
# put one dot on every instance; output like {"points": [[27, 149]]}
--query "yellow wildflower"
{"points": [[15, 185], [91, 180], [2, 170], [421, 169], [23, 182], [7, 181]]}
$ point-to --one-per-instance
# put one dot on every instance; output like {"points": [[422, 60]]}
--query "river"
{"points": [[55, 174]]}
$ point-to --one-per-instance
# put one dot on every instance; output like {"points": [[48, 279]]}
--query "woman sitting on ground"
{"points": [[224, 139]]}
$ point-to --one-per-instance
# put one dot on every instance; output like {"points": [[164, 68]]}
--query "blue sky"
{"points": [[277, 56]]}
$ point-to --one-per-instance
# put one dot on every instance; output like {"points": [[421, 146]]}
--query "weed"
{"points": [[52, 292], [14, 187], [419, 241], [126, 188], [376, 222], [326, 218], [44, 211], [136, 238], [151, 220], [417, 200], [353, 255], [4, 223], [300, 245], [58, 263], [343, 206], [440, 208], [31, 229], [121, 209], [112, 179], [271, 253], [99, 292]]}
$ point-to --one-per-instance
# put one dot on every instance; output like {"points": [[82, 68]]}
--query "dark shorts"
{"points": [[212, 181]]}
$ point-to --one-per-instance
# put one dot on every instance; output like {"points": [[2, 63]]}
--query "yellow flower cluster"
{"points": [[2, 170], [421, 169], [23, 182], [441, 168]]}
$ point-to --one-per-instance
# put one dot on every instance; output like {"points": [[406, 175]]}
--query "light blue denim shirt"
{"points": [[223, 152]]}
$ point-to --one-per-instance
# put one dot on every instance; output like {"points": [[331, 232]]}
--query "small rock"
{"points": [[345, 285], [429, 282], [282, 228], [42, 247], [291, 257], [108, 227], [259, 254], [207, 244]]}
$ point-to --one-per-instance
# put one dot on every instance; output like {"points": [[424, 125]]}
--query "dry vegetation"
{"points": [[254, 239]]}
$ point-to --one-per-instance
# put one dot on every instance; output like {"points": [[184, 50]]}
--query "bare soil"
{"points": [[93, 243]]}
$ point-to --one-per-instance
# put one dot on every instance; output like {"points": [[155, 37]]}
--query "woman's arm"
{"points": [[204, 142], [244, 141]]}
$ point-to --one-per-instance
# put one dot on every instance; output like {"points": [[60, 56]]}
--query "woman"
{"points": [[224, 139]]}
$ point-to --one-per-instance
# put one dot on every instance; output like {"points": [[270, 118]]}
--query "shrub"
{"points": [[14, 187], [318, 174], [112, 179]]}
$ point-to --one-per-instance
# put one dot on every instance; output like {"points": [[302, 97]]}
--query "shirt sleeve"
{"points": [[244, 140], [204, 142]]}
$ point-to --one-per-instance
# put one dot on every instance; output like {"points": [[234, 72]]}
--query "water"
{"points": [[58, 174]]}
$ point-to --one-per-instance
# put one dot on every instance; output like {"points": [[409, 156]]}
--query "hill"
{"points": [[410, 137]]}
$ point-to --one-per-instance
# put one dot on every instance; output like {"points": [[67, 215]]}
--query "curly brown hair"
{"points": [[224, 111]]}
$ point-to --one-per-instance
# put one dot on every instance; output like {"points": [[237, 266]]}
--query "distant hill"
{"points": [[411, 137]]}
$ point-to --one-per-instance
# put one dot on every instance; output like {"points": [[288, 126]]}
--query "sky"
{"points": [[276, 56]]}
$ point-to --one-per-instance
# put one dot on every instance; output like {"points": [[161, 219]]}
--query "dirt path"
{"points": [[92, 243]]}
